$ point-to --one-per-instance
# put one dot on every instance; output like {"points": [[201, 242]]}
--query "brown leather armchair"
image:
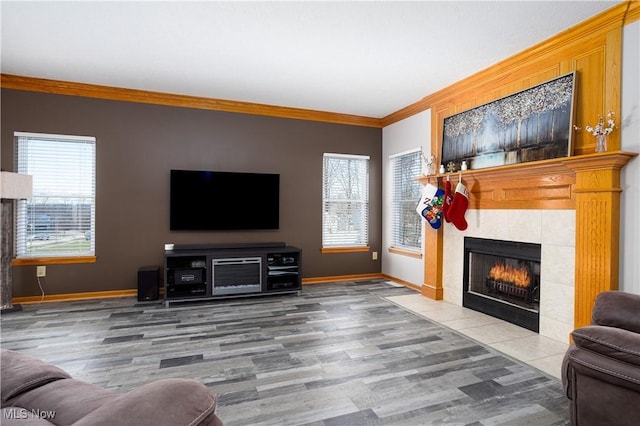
{"points": [[601, 369], [36, 393]]}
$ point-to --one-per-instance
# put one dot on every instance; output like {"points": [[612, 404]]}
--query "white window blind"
{"points": [[59, 219], [406, 167], [345, 200]]}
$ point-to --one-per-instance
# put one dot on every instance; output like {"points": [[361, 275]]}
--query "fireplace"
{"points": [[502, 279]]}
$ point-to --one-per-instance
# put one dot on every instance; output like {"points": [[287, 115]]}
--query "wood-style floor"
{"points": [[339, 354]]}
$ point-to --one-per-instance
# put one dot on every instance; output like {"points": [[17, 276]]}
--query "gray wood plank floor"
{"points": [[339, 354]]}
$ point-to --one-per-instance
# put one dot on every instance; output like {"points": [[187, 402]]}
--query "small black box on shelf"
{"points": [[148, 283], [188, 276]]}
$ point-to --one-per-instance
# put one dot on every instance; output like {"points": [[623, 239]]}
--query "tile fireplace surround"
{"points": [[553, 229], [562, 204]]}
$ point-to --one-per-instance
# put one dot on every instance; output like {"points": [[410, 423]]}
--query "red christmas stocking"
{"points": [[448, 198], [459, 207]]}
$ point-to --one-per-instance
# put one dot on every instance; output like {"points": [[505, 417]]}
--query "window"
{"points": [[406, 167], [59, 220], [345, 201]]}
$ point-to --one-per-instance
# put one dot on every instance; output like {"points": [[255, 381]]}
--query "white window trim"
{"points": [[21, 234], [409, 151], [55, 136], [363, 246], [394, 246]]}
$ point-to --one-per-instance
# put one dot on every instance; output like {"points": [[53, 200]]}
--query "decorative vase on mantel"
{"points": [[601, 143], [600, 131]]}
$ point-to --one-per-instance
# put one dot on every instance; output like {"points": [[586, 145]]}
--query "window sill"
{"points": [[345, 249], [26, 261], [405, 252]]}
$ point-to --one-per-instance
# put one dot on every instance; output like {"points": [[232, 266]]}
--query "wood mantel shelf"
{"points": [[589, 184], [546, 184]]}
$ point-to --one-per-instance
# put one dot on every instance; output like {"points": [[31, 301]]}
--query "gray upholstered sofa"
{"points": [[36, 393], [601, 369]]}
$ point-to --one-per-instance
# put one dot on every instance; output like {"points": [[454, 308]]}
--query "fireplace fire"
{"points": [[502, 279], [512, 281]]}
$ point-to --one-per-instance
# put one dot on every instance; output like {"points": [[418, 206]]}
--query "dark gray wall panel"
{"points": [[137, 145]]}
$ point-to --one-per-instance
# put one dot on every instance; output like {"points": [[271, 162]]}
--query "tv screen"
{"points": [[210, 200]]}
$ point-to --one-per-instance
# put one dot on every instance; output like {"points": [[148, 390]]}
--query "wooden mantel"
{"points": [[590, 184]]}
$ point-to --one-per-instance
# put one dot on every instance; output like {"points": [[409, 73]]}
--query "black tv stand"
{"points": [[195, 272]]}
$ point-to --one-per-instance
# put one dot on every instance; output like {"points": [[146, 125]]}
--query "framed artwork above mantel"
{"points": [[530, 125]]}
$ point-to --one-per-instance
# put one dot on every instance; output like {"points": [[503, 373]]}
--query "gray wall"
{"points": [[137, 145]]}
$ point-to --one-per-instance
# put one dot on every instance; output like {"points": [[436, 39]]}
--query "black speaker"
{"points": [[148, 283]]}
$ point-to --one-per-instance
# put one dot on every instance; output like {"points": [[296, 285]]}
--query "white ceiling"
{"points": [[354, 57]]}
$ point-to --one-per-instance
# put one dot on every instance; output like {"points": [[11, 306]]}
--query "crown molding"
{"points": [[58, 87]]}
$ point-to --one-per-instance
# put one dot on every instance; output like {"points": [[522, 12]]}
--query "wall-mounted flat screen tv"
{"points": [[213, 200]]}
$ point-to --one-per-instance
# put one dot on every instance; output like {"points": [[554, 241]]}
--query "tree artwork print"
{"points": [[531, 125]]}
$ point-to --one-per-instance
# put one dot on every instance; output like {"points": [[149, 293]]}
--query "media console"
{"points": [[211, 271]]}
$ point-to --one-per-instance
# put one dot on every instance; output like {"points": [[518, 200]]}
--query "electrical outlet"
{"points": [[41, 271], [374, 255]]}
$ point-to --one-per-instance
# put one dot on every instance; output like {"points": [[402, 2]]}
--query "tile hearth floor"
{"points": [[541, 352]]}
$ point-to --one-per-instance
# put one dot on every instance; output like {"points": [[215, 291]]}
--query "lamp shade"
{"points": [[15, 186]]}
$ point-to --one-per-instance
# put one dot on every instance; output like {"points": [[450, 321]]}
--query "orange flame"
{"points": [[520, 277]]}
